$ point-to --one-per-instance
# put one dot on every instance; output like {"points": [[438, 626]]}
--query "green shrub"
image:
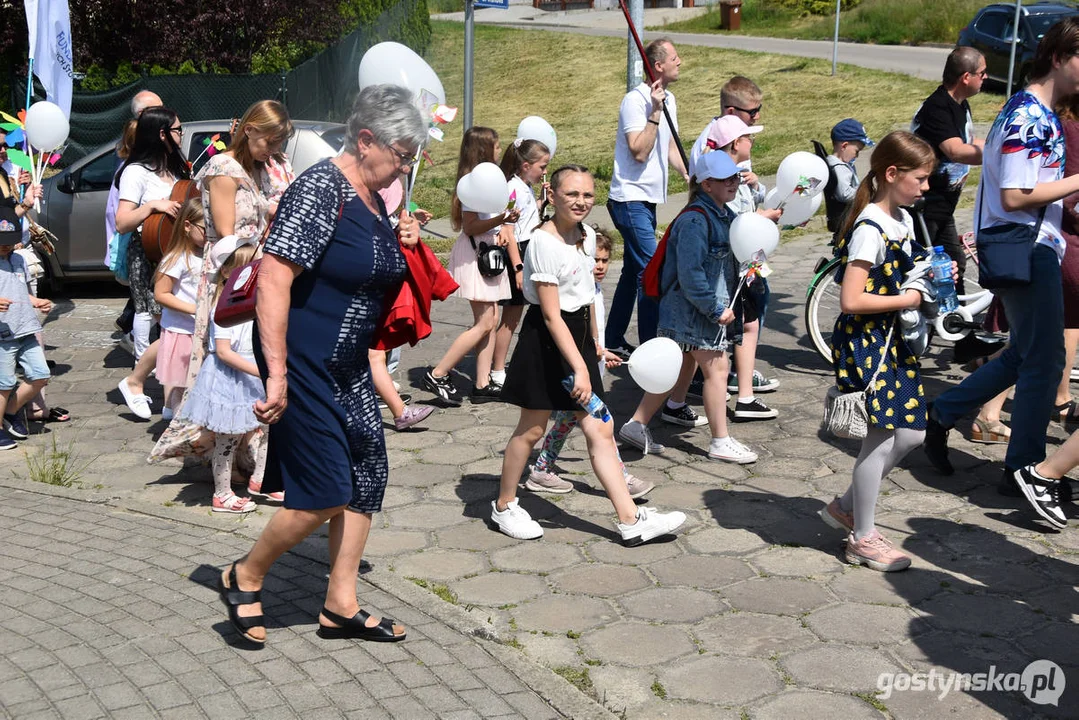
{"points": [[125, 75], [814, 7]]}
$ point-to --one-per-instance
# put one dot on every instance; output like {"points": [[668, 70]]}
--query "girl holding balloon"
{"points": [[876, 251], [479, 145], [557, 365]]}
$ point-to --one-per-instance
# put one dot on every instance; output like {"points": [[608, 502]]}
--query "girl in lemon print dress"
{"points": [[876, 251]]}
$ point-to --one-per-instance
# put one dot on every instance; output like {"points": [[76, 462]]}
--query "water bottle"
{"points": [[941, 272], [594, 407]]}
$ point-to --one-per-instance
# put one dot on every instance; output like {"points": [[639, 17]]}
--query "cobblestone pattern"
{"points": [[750, 611]]}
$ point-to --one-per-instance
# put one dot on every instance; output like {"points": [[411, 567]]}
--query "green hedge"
{"points": [[815, 7]]}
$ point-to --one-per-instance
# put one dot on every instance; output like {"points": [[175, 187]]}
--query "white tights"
{"points": [[881, 450]]}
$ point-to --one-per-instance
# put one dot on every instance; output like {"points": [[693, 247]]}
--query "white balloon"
{"points": [[803, 171], [798, 209], [484, 190], [390, 63], [46, 126], [655, 365], [772, 199], [751, 233], [534, 127]]}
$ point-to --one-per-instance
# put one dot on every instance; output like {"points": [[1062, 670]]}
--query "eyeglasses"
{"points": [[404, 157], [179, 129], [981, 73], [752, 112]]}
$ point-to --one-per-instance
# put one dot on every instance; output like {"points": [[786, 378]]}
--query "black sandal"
{"points": [[1065, 413], [234, 597], [355, 627]]}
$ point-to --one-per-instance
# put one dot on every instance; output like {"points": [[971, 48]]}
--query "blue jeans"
{"points": [[637, 223], [26, 352], [1033, 362]]}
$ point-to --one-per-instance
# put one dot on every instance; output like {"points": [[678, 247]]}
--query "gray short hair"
{"points": [[390, 114], [144, 99]]}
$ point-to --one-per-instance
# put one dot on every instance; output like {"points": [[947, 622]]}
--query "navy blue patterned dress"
{"points": [[898, 400], [328, 449]]}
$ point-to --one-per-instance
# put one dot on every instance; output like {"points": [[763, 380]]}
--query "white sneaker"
{"points": [[639, 436], [139, 405], [651, 524], [730, 450], [515, 521]]}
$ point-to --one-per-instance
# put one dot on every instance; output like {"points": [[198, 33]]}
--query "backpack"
{"points": [[833, 208], [653, 271]]}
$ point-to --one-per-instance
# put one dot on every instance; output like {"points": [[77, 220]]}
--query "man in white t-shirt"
{"points": [[643, 149]]}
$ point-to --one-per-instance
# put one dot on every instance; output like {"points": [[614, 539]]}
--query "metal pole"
{"points": [[835, 40], [634, 60], [470, 41], [1015, 41]]}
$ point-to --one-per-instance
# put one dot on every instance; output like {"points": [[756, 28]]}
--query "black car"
{"points": [[991, 32]]}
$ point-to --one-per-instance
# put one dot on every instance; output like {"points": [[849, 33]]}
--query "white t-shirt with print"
{"points": [[632, 180], [241, 338], [186, 268], [1025, 147], [866, 242], [549, 260], [140, 185], [491, 236]]}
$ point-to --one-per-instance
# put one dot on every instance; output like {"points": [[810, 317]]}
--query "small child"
{"points": [[223, 400], [848, 140], [19, 325], [540, 477], [176, 287], [876, 251]]}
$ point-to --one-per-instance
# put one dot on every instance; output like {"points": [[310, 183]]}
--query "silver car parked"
{"points": [[73, 204]]}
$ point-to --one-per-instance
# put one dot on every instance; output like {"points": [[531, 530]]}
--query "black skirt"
{"points": [[534, 378], [517, 298]]}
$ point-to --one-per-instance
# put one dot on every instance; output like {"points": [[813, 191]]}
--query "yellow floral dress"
{"points": [[897, 400]]}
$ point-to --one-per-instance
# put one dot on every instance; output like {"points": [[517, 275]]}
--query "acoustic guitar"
{"points": [[157, 230]]}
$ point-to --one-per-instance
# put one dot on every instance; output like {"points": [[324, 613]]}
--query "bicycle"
{"points": [[822, 302]]}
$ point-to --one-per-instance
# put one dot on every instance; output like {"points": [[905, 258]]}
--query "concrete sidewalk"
{"points": [[750, 612]]}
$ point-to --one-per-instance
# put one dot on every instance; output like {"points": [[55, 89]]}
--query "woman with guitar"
{"points": [[146, 182]]}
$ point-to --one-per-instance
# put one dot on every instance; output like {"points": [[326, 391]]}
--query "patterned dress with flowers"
{"points": [[858, 343]]}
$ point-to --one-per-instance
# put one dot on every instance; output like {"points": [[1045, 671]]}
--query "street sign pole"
{"points": [[835, 39], [1015, 41], [634, 63], [470, 41]]}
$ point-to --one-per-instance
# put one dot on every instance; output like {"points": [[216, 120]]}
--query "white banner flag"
{"points": [[50, 48]]}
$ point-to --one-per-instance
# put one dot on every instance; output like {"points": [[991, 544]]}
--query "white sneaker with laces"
{"points": [[515, 521], [639, 436], [139, 405], [730, 450], [651, 524]]}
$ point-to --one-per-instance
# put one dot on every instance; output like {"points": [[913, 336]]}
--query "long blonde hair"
{"points": [[477, 146], [239, 257], [906, 151], [265, 116], [181, 244]]}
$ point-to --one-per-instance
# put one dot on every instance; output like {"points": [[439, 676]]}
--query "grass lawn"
{"points": [[577, 82], [885, 22]]}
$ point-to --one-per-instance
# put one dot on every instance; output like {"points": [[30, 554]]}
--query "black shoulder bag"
{"points": [[1005, 252]]}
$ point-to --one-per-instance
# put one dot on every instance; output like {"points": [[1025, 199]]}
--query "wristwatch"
{"points": [[518, 267]]}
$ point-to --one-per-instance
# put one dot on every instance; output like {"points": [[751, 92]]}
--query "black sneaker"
{"points": [[623, 351], [1007, 485], [696, 388], [935, 445], [6, 441], [16, 426], [442, 387], [755, 410], [684, 416], [405, 398], [491, 393], [1043, 495]]}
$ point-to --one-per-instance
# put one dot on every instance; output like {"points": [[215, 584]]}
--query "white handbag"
{"points": [[845, 414]]}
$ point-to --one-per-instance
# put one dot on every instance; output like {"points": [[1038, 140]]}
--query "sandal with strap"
{"points": [[989, 433], [234, 597], [355, 627], [1065, 414]]}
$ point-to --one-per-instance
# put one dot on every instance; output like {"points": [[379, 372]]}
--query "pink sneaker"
{"points": [[545, 481], [255, 488], [233, 503], [412, 416], [875, 552], [834, 516]]}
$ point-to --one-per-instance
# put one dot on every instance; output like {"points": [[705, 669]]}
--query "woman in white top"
{"points": [[557, 364], [524, 164], [145, 182]]}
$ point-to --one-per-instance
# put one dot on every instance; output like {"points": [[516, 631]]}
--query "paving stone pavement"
{"points": [[749, 612]]}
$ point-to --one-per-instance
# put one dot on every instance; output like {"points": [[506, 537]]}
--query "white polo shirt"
{"points": [[632, 180]]}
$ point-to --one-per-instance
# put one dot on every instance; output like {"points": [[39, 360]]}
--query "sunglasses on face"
{"points": [[752, 112]]}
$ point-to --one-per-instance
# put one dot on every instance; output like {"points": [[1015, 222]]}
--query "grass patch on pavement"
{"points": [[884, 22], [578, 677], [577, 82], [443, 591], [60, 464]]}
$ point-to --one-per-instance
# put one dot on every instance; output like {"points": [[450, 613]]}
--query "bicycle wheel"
{"points": [[822, 308]]}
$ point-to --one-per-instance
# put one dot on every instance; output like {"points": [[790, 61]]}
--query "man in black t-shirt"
{"points": [[944, 121]]}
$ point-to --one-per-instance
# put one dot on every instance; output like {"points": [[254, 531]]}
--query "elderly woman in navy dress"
{"points": [[330, 259]]}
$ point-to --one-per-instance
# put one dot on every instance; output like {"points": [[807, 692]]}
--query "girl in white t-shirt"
{"points": [[876, 251], [524, 164], [559, 343], [176, 286], [479, 145], [223, 400]]}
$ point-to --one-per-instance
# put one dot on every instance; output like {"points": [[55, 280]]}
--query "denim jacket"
{"points": [[699, 275]]}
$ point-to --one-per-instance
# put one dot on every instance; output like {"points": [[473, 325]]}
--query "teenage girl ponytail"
{"points": [[903, 150], [518, 153]]}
